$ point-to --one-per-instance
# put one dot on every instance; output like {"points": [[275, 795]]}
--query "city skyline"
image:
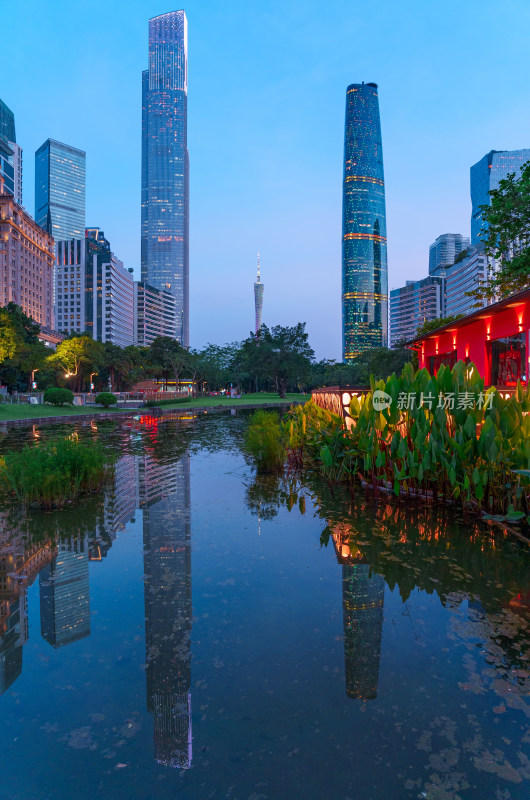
{"points": [[273, 119]]}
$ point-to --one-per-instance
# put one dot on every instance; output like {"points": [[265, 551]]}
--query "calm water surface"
{"points": [[196, 633]]}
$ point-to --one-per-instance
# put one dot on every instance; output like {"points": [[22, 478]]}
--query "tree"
{"points": [[169, 356], [21, 352], [76, 357], [280, 354], [433, 324], [506, 236]]}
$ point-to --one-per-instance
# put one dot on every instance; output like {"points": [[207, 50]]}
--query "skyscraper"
{"points": [[65, 594], [258, 299], [485, 176], [364, 263], [165, 164], [10, 154], [60, 187], [444, 251]]}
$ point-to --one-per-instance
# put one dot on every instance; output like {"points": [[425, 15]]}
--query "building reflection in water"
{"points": [[65, 594], [363, 596], [164, 491]]}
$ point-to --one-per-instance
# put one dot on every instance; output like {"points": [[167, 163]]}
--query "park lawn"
{"points": [[260, 398], [29, 412], [26, 411]]}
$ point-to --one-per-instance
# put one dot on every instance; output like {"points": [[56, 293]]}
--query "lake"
{"points": [[196, 632]]}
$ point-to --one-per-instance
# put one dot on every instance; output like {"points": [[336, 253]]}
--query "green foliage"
{"points": [[506, 236], [465, 455], [433, 324], [53, 474], [106, 399], [265, 441], [378, 361], [59, 397], [76, 357], [279, 355]]}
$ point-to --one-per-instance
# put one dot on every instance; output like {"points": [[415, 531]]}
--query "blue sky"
{"points": [[266, 100]]}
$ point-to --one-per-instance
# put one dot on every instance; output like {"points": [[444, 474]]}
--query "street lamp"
{"points": [[91, 384], [33, 381]]}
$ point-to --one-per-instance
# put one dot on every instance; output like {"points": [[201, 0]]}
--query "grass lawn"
{"points": [[26, 411], [261, 398]]}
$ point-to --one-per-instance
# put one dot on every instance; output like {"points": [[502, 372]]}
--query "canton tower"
{"points": [[364, 264], [165, 164], [258, 299]]}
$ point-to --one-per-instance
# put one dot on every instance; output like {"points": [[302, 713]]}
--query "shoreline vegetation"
{"points": [[475, 455]]}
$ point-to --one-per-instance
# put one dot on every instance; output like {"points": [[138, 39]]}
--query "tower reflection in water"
{"points": [[363, 596], [168, 608]]}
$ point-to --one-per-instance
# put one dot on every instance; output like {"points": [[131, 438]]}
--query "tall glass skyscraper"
{"points": [[258, 300], [364, 264], [485, 176], [165, 164], [60, 189]]}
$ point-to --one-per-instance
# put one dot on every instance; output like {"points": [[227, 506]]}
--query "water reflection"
{"points": [[168, 611], [65, 594]]}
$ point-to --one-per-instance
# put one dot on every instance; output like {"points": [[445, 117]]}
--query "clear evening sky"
{"points": [[266, 101]]}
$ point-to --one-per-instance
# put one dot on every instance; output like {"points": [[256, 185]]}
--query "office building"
{"points": [[413, 304], [26, 262], [461, 279], [444, 251], [485, 176], [364, 258], [65, 595], [94, 293], [10, 154], [165, 164], [155, 313], [60, 186]]}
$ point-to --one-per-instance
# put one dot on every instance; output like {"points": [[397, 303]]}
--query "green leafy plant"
{"points": [[265, 441], [53, 474], [106, 399], [59, 397]]}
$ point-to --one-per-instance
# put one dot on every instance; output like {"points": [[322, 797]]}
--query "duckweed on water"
{"points": [[55, 473]]}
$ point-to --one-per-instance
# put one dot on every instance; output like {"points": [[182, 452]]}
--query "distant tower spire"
{"points": [[258, 299]]}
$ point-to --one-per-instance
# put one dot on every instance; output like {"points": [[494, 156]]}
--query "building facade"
{"points": [[165, 164], [60, 188], [10, 154], [26, 262], [413, 304], [154, 313], [65, 594], [94, 293], [461, 279], [444, 251], [364, 259], [485, 176], [258, 301]]}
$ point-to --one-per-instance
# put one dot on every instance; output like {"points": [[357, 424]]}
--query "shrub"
{"points": [[106, 399], [59, 397], [265, 442], [55, 473]]}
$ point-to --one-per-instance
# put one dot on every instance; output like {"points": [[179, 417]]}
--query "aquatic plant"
{"points": [[442, 437], [58, 397], [265, 441], [55, 473]]}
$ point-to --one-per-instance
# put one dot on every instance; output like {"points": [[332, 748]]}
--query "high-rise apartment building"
{"points": [[258, 300], [94, 293], [364, 261], [60, 188], [444, 251], [26, 261], [461, 279], [155, 313], [165, 164], [413, 304], [485, 176]]}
